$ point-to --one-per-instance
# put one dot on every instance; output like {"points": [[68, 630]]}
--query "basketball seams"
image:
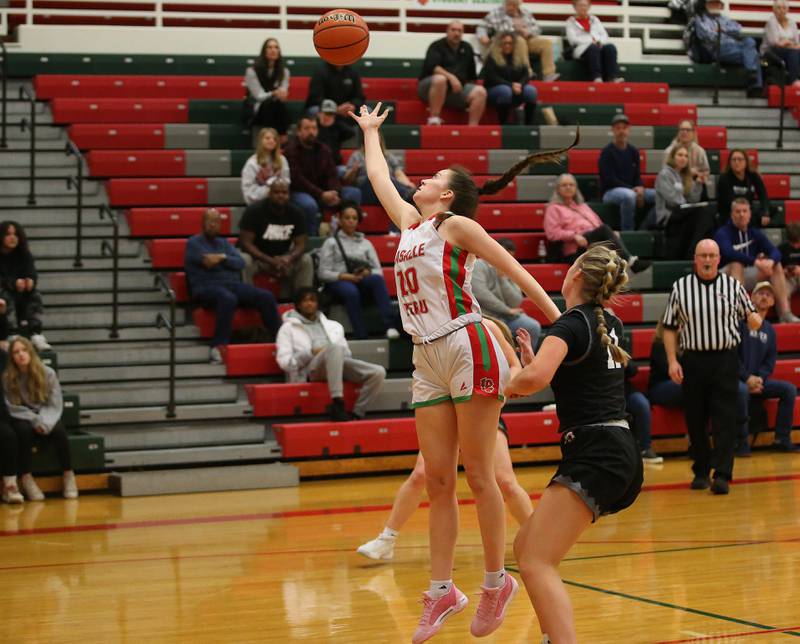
{"points": [[348, 43], [352, 44]]}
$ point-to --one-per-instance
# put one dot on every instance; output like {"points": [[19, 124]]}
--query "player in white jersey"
{"points": [[456, 361]]}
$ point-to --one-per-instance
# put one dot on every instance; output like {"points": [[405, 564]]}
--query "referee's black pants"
{"points": [[710, 387]]}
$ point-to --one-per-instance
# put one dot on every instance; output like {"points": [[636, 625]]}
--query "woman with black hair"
{"points": [[460, 372], [267, 82], [739, 180], [18, 294]]}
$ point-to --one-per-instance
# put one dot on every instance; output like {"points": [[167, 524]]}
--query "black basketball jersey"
{"points": [[589, 386]]}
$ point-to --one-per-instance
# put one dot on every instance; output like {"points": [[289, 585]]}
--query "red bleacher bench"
{"points": [[157, 192], [136, 163], [299, 440], [659, 113], [642, 341], [787, 370], [511, 216], [451, 137], [778, 185], [549, 276], [50, 86], [791, 97], [172, 222], [115, 137], [667, 421], [289, 399], [430, 162], [712, 137], [792, 211], [205, 319], [788, 336], [603, 93], [251, 360], [120, 110], [532, 428]]}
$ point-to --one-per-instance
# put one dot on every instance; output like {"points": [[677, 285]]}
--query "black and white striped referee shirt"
{"points": [[707, 312]]}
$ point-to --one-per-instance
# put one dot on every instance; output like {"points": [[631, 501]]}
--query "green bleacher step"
{"points": [[639, 242], [71, 415], [665, 273], [87, 452]]}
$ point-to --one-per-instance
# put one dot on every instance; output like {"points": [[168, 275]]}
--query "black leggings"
{"points": [[24, 439]]}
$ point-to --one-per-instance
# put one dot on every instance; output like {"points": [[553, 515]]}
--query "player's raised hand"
{"points": [[526, 354], [370, 120]]}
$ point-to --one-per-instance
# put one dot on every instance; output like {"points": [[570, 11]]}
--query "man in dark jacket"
{"points": [[315, 181], [448, 77], [339, 83], [214, 274], [750, 257], [757, 354]]}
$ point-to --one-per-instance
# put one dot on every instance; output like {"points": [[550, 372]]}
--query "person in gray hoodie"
{"points": [[500, 298], [34, 402], [310, 347], [676, 191], [351, 272]]}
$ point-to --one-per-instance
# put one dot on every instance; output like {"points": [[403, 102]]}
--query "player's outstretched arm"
{"points": [[471, 236], [540, 371], [401, 213]]}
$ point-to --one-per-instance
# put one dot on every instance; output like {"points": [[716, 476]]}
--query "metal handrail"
{"points": [[113, 250], [77, 183], [161, 323], [24, 92], [4, 89]]}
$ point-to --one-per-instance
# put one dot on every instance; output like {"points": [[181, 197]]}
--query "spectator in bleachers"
{"points": [[678, 212], [698, 159], [315, 181], [570, 221], [750, 257], [264, 167], [34, 402], [339, 83], [590, 43], [661, 390], [505, 76], [272, 234], [620, 175], [449, 76], [757, 354], [267, 82], [739, 180], [356, 174], [351, 271], [639, 408], [782, 39], [790, 258], [511, 16], [214, 276], [19, 296], [333, 130], [8, 445], [313, 348], [501, 298], [734, 47]]}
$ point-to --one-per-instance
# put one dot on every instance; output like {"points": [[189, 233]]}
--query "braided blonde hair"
{"points": [[604, 276]]}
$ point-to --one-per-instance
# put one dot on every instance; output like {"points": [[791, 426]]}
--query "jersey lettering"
{"points": [[409, 284], [415, 307], [613, 364], [406, 255]]}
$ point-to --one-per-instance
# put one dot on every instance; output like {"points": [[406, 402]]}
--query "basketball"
{"points": [[341, 37]]}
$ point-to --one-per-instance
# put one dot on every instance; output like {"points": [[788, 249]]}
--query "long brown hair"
{"points": [[274, 157], [686, 172], [604, 276], [466, 192], [519, 52], [37, 379]]}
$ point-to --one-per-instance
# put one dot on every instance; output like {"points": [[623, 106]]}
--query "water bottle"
{"points": [[542, 252]]}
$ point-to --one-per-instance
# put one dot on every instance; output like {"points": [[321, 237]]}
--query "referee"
{"points": [[703, 314]]}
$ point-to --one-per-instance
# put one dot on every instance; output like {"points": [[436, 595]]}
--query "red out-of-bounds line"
{"points": [[293, 514], [727, 636]]}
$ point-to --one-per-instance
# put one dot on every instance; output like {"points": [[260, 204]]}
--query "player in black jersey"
{"points": [[601, 469]]}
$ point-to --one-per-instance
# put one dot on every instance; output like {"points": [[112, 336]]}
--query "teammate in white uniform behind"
{"points": [[456, 361]]}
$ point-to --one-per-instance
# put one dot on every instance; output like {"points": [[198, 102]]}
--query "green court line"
{"points": [[684, 609]]}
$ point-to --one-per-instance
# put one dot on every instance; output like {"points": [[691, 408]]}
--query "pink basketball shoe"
{"points": [[492, 607], [435, 611]]}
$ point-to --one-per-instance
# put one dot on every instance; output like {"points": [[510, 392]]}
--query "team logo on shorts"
{"points": [[487, 385]]}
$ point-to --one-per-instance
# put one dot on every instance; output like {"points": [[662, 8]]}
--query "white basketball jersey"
{"points": [[433, 280]]}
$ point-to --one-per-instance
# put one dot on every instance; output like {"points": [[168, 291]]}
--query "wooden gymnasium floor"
{"points": [[280, 566]]}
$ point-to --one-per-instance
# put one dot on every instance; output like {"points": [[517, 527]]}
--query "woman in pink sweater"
{"points": [[570, 221]]}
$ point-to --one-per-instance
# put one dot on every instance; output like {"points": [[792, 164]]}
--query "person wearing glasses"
{"points": [[698, 159]]}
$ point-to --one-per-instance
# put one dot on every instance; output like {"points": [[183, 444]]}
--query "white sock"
{"points": [[440, 588], [388, 533], [494, 579], [546, 639], [9, 481]]}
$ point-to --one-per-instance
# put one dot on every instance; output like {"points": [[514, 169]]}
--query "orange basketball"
{"points": [[341, 37]]}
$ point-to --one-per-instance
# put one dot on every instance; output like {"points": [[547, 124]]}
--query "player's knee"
{"points": [[479, 480], [417, 479], [507, 484], [439, 484]]}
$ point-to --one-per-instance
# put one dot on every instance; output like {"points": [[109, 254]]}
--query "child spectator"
{"points": [[506, 74], [264, 167], [738, 180], [33, 399], [349, 267], [267, 82], [18, 280], [591, 44]]}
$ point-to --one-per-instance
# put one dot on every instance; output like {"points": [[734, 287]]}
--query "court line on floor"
{"points": [[292, 514], [685, 609], [726, 636]]}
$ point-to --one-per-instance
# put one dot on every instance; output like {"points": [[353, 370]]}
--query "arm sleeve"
{"points": [[300, 182], [194, 253], [233, 258], [771, 33], [512, 294], [372, 256], [554, 227], [637, 164], [702, 160], [767, 366], [483, 27], [766, 246], [746, 305], [761, 189], [21, 412], [251, 190], [573, 32], [50, 412], [726, 250], [432, 59], [285, 80], [533, 26], [605, 165], [331, 264], [600, 31], [258, 93], [672, 315], [485, 296], [665, 186], [706, 29], [285, 351], [724, 196], [490, 74], [472, 71]]}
